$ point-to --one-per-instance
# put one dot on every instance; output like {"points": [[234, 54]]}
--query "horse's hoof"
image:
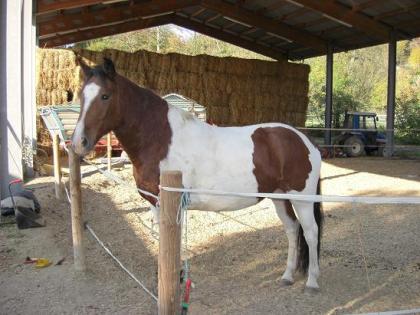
{"points": [[311, 290], [286, 283]]}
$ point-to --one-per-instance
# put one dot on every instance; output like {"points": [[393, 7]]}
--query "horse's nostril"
{"points": [[84, 142]]}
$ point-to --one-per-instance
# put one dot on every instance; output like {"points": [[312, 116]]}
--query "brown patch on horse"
{"points": [[281, 160], [144, 132]]}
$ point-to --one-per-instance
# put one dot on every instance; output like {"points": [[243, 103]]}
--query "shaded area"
{"points": [[58, 289]]}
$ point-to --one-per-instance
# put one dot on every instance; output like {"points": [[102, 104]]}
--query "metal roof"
{"points": [[293, 29], [186, 104]]}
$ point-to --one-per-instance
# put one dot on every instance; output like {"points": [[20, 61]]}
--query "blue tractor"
{"points": [[361, 135]]}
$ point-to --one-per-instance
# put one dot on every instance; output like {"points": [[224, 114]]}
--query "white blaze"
{"points": [[89, 93]]}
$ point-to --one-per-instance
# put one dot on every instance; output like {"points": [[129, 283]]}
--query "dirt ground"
{"points": [[236, 257]]}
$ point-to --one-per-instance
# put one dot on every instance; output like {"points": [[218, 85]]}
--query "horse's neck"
{"points": [[144, 131]]}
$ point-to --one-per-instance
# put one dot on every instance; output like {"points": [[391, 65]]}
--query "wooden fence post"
{"points": [[169, 302], [76, 211], [109, 149], [57, 168]]}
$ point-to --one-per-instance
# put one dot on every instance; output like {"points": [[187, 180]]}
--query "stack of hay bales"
{"points": [[234, 91], [57, 76]]}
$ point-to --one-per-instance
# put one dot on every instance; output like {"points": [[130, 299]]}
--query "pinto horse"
{"points": [[271, 157]]}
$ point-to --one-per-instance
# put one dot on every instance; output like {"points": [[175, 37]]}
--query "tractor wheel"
{"points": [[354, 147], [382, 151]]}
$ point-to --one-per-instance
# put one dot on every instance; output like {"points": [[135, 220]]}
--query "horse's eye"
{"points": [[105, 97]]}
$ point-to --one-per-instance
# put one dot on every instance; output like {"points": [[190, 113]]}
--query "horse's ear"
{"points": [[87, 71], [109, 68]]}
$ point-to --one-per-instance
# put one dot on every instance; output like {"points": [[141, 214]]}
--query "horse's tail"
{"points": [[302, 246]]}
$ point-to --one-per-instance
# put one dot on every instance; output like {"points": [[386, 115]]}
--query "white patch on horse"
{"points": [[90, 92], [211, 158], [218, 158]]}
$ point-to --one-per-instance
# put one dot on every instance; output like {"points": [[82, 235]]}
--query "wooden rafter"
{"points": [[108, 30], [397, 11], [70, 22], [44, 6], [251, 30], [344, 14], [271, 7], [227, 37], [411, 23], [294, 14], [280, 29], [317, 21], [365, 5], [212, 18], [228, 26], [198, 12]]}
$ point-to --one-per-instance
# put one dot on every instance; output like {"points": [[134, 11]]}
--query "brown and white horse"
{"points": [[266, 158]]}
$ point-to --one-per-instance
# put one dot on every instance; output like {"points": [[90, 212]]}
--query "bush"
{"points": [[407, 120]]}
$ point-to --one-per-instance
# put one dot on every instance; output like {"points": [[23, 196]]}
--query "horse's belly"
{"points": [[219, 203], [213, 159]]}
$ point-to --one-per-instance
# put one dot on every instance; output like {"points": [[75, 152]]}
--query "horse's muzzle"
{"points": [[81, 146]]}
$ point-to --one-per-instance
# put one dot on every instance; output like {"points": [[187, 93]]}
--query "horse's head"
{"points": [[98, 108]]}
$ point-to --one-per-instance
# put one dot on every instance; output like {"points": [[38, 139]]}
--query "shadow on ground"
{"points": [[104, 289], [370, 261]]}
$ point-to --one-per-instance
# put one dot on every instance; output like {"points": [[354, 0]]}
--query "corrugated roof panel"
{"points": [[259, 5], [389, 13], [237, 28], [206, 15], [385, 7], [323, 26], [401, 18], [190, 10], [308, 15], [187, 104]]}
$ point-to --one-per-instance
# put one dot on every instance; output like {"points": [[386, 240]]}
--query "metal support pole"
{"points": [[390, 106], [328, 94], [169, 246]]}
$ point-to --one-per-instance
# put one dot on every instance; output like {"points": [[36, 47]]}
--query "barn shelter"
{"points": [[280, 29]]}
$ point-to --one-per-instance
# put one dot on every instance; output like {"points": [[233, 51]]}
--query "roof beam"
{"points": [[107, 30], [316, 22], [271, 7], [250, 18], [44, 6], [365, 5], [339, 12], [227, 37], [397, 11], [70, 22], [294, 14], [249, 31], [198, 12], [214, 17]]}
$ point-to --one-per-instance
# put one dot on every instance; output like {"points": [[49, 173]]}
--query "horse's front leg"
{"points": [[155, 220]]}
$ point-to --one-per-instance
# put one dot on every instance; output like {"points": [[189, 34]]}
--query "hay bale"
{"points": [[235, 91]]}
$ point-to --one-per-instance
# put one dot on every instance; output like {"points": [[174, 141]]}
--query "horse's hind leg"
{"points": [[286, 214], [305, 214]]}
